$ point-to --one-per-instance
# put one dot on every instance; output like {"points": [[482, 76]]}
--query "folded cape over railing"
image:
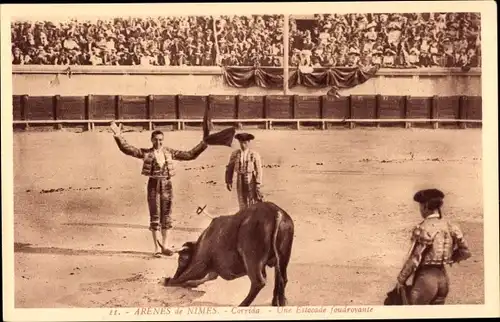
{"points": [[272, 77]]}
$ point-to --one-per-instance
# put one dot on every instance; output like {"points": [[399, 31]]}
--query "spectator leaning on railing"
{"points": [[161, 41], [390, 40]]}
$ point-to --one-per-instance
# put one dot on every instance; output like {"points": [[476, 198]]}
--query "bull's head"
{"points": [[186, 253]]}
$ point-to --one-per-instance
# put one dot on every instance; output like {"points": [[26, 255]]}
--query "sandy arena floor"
{"points": [[348, 191]]}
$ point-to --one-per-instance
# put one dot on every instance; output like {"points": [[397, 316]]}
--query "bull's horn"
{"points": [[180, 249], [175, 250]]}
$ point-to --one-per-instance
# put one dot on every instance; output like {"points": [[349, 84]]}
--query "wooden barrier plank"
{"points": [[17, 108], [279, 106], [419, 107], [164, 107], [391, 107], [223, 106], [474, 107], [335, 108], [40, 108], [192, 106], [307, 107], [71, 108], [448, 107], [103, 107], [363, 107], [134, 107], [251, 107]]}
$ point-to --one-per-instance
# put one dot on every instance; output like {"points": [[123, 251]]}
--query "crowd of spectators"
{"points": [[251, 40], [389, 40], [163, 41]]}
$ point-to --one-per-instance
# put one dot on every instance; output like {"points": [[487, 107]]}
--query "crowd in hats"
{"points": [[251, 40], [162, 41], [388, 40]]}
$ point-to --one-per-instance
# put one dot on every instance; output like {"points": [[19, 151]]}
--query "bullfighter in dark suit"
{"points": [[158, 165], [436, 243], [247, 165]]}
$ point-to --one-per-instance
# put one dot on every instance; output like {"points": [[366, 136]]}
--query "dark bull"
{"points": [[238, 245]]}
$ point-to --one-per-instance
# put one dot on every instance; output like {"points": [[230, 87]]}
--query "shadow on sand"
{"points": [[28, 249], [132, 226]]}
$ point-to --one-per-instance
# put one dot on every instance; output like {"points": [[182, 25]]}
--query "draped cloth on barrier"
{"points": [[244, 77], [272, 78]]}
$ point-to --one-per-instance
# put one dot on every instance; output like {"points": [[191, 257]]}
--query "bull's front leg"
{"points": [[196, 271], [210, 277]]}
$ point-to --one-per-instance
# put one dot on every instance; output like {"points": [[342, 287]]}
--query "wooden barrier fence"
{"points": [[180, 110]]}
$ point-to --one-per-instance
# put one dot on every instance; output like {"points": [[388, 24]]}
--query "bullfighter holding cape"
{"points": [[436, 243], [158, 166]]}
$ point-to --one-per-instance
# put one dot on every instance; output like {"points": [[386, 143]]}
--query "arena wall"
{"points": [[188, 109], [119, 80], [91, 96]]}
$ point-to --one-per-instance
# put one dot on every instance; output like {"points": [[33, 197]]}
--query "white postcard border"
{"points": [[490, 161]]}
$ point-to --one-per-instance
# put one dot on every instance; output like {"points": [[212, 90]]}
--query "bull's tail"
{"points": [[279, 216], [279, 277]]}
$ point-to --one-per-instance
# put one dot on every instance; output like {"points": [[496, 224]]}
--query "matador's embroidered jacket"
{"points": [[250, 167], [150, 167], [435, 242]]}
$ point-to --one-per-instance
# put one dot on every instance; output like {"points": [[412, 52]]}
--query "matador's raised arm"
{"points": [[188, 155], [127, 148]]}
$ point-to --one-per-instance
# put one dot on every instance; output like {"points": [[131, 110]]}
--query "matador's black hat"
{"points": [[244, 137], [432, 197]]}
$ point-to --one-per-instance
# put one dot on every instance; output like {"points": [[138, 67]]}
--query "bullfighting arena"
{"points": [[81, 218]]}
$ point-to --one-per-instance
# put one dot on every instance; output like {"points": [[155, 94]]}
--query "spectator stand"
{"points": [[389, 40], [331, 43], [155, 41]]}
